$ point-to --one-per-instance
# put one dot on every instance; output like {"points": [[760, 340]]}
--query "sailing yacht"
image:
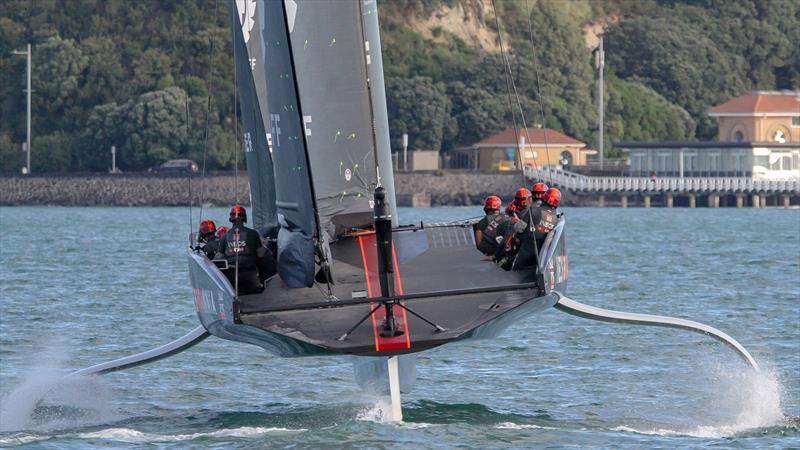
{"points": [[352, 279], [316, 140]]}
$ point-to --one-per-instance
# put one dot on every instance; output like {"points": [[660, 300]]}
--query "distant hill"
{"points": [[105, 69]]}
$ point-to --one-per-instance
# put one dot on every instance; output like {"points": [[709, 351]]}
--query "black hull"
{"points": [[440, 278]]}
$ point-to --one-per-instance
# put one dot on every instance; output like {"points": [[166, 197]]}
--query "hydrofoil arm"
{"points": [[570, 306], [190, 339]]}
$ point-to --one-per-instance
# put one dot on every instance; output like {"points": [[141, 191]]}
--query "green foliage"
{"points": [[677, 61], [421, 108], [477, 112], [11, 157], [635, 112], [125, 73], [52, 152]]}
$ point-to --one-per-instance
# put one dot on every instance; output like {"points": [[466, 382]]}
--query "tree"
{"points": [[677, 61], [59, 64], [419, 107], [146, 132], [637, 113], [477, 112]]}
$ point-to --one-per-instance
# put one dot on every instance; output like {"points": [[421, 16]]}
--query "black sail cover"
{"points": [[249, 60]]}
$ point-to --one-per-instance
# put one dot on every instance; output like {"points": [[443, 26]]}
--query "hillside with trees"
{"points": [[138, 75]]}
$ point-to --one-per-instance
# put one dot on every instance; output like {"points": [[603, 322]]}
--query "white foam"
{"points": [[87, 399], [752, 399], [379, 412], [22, 439], [134, 436], [523, 426]]}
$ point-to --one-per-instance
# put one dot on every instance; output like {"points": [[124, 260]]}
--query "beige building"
{"points": [[768, 117], [537, 147]]}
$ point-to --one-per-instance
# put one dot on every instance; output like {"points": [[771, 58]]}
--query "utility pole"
{"points": [[27, 170], [600, 62]]}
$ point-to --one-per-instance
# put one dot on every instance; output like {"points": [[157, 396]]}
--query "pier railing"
{"points": [[576, 182]]}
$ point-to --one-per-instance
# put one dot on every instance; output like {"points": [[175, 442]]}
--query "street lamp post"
{"points": [[27, 170], [405, 152]]}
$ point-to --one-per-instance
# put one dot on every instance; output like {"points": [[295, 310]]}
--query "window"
{"points": [[738, 136], [714, 162], [796, 121], [662, 163], [690, 162]]}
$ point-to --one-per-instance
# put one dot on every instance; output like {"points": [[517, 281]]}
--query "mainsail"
{"points": [[322, 71], [249, 60]]}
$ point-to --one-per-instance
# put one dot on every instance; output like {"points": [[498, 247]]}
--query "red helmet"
{"points": [[207, 228], [522, 197], [511, 208], [238, 213], [552, 197], [538, 190], [493, 203], [221, 231]]}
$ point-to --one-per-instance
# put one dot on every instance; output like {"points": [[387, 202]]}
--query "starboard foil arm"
{"points": [[574, 308], [186, 341]]}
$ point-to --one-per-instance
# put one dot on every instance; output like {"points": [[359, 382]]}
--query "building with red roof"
{"points": [[537, 147], [759, 117]]}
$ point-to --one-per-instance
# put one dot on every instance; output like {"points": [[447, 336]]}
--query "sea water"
{"points": [[79, 286]]}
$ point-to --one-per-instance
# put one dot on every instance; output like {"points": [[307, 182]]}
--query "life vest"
{"points": [[547, 220], [489, 236], [241, 243]]}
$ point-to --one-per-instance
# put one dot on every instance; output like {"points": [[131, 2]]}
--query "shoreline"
{"points": [[142, 189], [414, 189]]}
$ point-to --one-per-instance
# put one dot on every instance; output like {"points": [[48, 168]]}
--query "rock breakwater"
{"points": [[454, 189]]}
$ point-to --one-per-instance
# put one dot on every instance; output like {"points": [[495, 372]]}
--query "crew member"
{"points": [[537, 192], [486, 236], [243, 250], [513, 229], [207, 239], [545, 217]]}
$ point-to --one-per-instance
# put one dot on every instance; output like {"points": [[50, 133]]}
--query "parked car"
{"points": [[176, 166]]}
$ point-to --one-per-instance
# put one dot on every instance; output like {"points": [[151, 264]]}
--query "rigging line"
{"points": [[522, 117], [510, 76], [208, 111], [538, 87], [508, 90]]}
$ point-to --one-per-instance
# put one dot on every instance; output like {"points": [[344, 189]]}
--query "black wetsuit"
{"points": [[488, 226], [544, 220], [241, 245], [211, 247]]}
